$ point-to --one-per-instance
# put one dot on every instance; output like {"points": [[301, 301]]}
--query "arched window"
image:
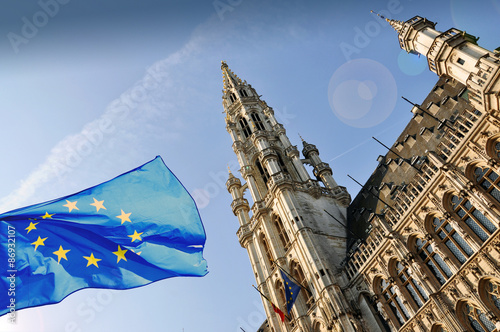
{"points": [[298, 274], [257, 121], [285, 240], [267, 251], [489, 292], [243, 93], [433, 260], [497, 149], [438, 328], [394, 302], [475, 319], [245, 127], [476, 221], [455, 243], [487, 179], [282, 164], [493, 289], [263, 172], [232, 96], [417, 293]]}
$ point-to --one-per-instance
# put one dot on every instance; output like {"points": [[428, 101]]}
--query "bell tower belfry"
{"points": [[289, 222]]}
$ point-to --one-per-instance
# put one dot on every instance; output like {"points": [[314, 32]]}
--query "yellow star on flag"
{"points": [[31, 227], [124, 217], [61, 253], [39, 242], [135, 236], [120, 253], [92, 260], [98, 204], [47, 215], [71, 205]]}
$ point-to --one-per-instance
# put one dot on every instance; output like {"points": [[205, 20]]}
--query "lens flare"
{"points": [[362, 93]]}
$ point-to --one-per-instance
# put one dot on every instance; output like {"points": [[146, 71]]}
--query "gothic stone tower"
{"points": [[288, 225]]}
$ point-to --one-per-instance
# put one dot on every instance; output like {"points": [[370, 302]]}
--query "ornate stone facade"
{"points": [[431, 209]]}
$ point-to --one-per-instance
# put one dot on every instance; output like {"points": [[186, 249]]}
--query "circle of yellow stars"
{"points": [[91, 260]]}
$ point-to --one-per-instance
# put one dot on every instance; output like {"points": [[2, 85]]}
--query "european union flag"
{"points": [[140, 227], [291, 291]]}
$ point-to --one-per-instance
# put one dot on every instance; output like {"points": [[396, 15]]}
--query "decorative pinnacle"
{"points": [[230, 79], [397, 25]]}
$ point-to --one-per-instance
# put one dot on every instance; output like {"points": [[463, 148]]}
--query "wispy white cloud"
{"points": [[158, 106]]}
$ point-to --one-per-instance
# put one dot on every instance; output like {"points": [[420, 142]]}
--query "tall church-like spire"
{"points": [[287, 219]]}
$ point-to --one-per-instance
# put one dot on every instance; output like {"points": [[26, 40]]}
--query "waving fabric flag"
{"points": [[291, 291], [140, 227]]}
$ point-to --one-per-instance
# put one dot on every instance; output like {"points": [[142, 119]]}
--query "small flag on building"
{"points": [[275, 308], [140, 227], [278, 311], [291, 291]]}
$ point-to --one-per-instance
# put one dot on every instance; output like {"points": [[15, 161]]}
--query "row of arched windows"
{"points": [[435, 254], [470, 314]]}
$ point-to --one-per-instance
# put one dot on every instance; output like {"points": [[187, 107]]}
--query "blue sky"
{"points": [[96, 89]]}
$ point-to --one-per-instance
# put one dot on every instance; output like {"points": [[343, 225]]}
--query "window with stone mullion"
{"points": [[267, 250], [472, 217], [455, 243], [489, 181], [493, 290], [257, 121], [394, 302], [245, 127], [282, 234], [436, 264], [416, 292], [478, 320]]}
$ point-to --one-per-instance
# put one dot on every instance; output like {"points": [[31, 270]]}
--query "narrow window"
{"points": [[488, 180], [433, 261], [282, 164], [298, 274], [394, 302], [285, 240], [267, 251], [493, 290], [257, 121], [473, 218], [245, 127], [263, 172], [477, 319], [461, 61], [455, 243], [416, 291]]}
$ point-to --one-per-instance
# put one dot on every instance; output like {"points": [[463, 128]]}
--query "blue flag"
{"points": [[137, 228], [291, 291]]}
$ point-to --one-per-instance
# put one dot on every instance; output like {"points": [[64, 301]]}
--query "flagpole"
{"points": [[269, 301], [288, 274]]}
